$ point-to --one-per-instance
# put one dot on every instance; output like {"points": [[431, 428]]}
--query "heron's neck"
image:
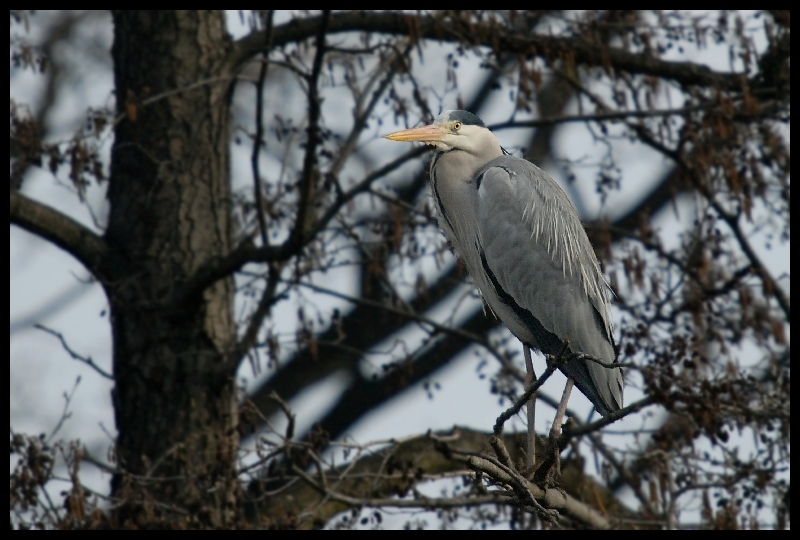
{"points": [[466, 163]]}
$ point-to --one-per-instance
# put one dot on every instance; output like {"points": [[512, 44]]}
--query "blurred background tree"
{"points": [[273, 278]]}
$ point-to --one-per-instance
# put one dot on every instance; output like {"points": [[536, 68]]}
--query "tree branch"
{"points": [[308, 176], [374, 477], [217, 268], [66, 233], [75, 356], [259, 136], [732, 220], [492, 35]]}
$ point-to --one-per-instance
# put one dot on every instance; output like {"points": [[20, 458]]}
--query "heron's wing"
{"points": [[541, 275]]}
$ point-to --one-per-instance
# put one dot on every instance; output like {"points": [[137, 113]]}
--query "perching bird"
{"points": [[523, 244]]}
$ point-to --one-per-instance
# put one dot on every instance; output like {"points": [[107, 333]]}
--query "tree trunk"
{"points": [[169, 192]]}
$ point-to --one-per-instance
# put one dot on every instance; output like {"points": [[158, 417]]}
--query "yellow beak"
{"points": [[426, 134]]}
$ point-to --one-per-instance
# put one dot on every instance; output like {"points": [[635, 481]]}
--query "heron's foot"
{"points": [[553, 446], [529, 467], [548, 469], [553, 477]]}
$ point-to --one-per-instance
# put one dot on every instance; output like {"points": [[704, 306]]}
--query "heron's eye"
{"points": [[457, 126]]}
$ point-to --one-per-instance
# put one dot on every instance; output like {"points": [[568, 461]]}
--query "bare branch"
{"points": [[85, 359], [309, 173], [418, 501], [368, 482], [493, 36], [551, 498], [217, 268], [732, 220], [259, 136], [523, 399], [66, 233]]}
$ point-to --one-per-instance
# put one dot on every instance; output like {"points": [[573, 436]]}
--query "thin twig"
{"points": [[299, 234], [418, 502], [65, 414], [514, 409], [85, 359], [262, 76]]}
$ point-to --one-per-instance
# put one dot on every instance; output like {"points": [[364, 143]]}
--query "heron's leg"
{"points": [[530, 378], [555, 430]]}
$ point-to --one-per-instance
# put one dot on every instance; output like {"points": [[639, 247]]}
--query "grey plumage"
{"points": [[523, 243]]}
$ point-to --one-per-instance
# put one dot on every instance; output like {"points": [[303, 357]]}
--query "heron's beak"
{"points": [[427, 134]]}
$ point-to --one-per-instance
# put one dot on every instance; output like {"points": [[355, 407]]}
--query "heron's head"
{"points": [[460, 130]]}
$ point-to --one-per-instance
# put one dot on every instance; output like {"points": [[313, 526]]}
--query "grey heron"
{"points": [[523, 243]]}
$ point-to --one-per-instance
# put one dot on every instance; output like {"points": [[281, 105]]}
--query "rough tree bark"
{"points": [[169, 193]]}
